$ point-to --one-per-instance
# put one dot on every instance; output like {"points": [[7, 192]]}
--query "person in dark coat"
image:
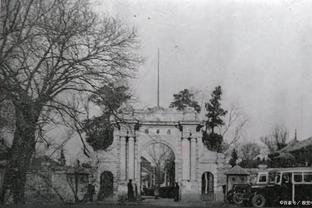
{"points": [[90, 191], [136, 192], [130, 191], [176, 192], [224, 192]]}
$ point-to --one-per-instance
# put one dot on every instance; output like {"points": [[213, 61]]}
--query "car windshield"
{"points": [[262, 178]]}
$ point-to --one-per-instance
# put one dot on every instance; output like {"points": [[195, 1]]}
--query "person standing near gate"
{"points": [[90, 192], [130, 191], [176, 191]]}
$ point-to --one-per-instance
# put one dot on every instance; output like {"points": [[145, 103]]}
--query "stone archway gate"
{"points": [[177, 130]]}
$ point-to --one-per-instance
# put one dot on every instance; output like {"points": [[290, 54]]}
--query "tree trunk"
{"points": [[206, 183], [22, 149]]}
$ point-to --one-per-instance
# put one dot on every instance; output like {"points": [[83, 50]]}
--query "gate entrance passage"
{"points": [[157, 171]]}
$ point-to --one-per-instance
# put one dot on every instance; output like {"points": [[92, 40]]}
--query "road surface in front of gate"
{"points": [[161, 203]]}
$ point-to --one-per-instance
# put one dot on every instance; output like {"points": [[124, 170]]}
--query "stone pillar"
{"points": [[177, 170], [185, 159], [123, 167], [193, 159], [131, 165]]}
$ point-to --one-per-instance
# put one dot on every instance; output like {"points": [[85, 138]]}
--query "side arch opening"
{"points": [[207, 190], [106, 185]]}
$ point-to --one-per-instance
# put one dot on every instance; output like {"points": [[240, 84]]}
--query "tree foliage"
{"points": [[215, 114], [184, 99], [212, 141], [234, 158], [99, 130], [50, 49], [111, 97]]}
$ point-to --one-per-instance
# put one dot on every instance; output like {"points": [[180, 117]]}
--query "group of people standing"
{"points": [[133, 192]]}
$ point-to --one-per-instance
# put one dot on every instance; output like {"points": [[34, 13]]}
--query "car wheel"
{"points": [[237, 199], [258, 200]]}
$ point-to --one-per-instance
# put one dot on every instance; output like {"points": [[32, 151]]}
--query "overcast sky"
{"points": [[258, 51]]}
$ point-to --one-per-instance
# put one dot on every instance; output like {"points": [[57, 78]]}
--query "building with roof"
{"points": [[236, 175], [49, 180], [299, 151]]}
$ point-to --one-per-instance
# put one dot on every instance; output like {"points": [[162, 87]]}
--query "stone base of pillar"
{"points": [[195, 186], [190, 197], [219, 196], [122, 190], [190, 191]]}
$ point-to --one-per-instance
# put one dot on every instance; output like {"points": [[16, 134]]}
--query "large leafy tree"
{"points": [[184, 99], [99, 130], [215, 115], [111, 97], [50, 49]]}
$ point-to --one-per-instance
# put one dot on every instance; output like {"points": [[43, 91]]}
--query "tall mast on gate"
{"points": [[158, 78]]}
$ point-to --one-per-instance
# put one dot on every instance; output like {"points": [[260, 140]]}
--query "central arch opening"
{"points": [[157, 171]]}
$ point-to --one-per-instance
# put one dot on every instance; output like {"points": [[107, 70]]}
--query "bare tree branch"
{"points": [[48, 50]]}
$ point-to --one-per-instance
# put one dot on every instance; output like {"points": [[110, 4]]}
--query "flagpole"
{"points": [[158, 78]]}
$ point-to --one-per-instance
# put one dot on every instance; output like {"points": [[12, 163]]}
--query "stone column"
{"points": [[185, 159], [193, 159], [177, 170], [123, 167], [131, 165]]}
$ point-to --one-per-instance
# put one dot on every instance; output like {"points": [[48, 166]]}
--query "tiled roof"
{"points": [[237, 170], [297, 145]]}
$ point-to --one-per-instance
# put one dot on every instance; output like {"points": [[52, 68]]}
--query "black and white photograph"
{"points": [[155, 103]]}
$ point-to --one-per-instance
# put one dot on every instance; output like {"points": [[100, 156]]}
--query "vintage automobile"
{"points": [[166, 192], [239, 190], [285, 186], [236, 193]]}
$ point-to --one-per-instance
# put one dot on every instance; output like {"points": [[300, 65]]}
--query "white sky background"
{"points": [[258, 51]]}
